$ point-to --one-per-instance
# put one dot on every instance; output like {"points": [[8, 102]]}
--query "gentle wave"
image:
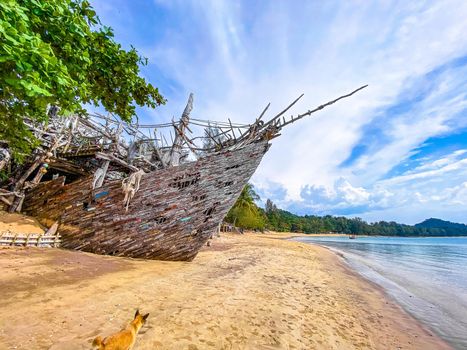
{"points": [[427, 276]]}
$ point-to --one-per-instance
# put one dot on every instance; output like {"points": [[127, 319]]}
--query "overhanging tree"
{"points": [[57, 53]]}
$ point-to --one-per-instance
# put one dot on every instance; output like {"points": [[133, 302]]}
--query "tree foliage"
{"points": [[57, 53], [281, 220], [245, 213]]}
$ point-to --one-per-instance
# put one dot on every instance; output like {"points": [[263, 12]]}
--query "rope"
{"points": [[130, 186]]}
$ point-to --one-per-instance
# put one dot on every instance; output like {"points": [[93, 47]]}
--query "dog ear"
{"points": [[136, 313], [145, 317]]}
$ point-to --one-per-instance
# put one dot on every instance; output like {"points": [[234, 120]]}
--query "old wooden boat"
{"points": [[121, 189]]}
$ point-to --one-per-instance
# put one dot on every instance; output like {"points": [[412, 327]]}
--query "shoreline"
{"points": [[344, 261], [250, 291], [357, 235], [414, 287]]}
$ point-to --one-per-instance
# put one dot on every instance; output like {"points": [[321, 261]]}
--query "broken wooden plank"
{"points": [[111, 157]]}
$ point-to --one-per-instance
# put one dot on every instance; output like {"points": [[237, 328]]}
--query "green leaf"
{"points": [[54, 52]]}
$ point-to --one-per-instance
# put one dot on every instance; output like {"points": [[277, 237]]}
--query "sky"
{"points": [[396, 151]]}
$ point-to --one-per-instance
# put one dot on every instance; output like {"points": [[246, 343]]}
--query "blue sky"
{"points": [[396, 151]]}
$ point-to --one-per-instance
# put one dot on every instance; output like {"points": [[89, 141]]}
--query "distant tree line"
{"points": [[246, 214]]}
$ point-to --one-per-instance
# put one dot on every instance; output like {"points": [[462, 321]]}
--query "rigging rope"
{"points": [[130, 186]]}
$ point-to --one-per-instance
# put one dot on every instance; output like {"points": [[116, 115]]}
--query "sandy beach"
{"points": [[249, 291]]}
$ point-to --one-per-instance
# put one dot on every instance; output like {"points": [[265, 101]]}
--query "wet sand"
{"points": [[249, 291]]}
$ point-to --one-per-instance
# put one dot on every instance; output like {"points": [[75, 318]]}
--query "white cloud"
{"points": [[351, 194], [433, 196], [438, 168], [238, 56]]}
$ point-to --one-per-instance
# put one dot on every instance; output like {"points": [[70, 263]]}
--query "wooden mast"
{"points": [[179, 140]]}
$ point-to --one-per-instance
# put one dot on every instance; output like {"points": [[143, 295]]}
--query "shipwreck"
{"points": [[123, 189]]}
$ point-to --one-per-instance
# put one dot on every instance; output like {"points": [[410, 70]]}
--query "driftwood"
{"points": [[170, 217], [20, 184], [100, 173], [177, 146], [300, 116], [67, 166], [12, 239], [122, 189], [117, 160], [4, 157]]}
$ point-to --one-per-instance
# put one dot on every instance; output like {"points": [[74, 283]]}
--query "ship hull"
{"points": [[175, 211]]}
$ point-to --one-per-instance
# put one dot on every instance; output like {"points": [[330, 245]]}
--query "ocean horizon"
{"points": [[427, 276]]}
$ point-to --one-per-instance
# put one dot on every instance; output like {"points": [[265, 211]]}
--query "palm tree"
{"points": [[247, 198], [244, 203]]}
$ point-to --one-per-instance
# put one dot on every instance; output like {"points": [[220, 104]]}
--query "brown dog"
{"points": [[123, 340]]}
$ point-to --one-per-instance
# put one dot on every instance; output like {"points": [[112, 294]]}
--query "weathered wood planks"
{"points": [[171, 217]]}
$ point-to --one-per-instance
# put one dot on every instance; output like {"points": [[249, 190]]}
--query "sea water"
{"points": [[426, 276]]}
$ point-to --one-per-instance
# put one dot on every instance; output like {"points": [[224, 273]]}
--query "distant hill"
{"points": [[438, 223], [246, 214], [282, 220]]}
